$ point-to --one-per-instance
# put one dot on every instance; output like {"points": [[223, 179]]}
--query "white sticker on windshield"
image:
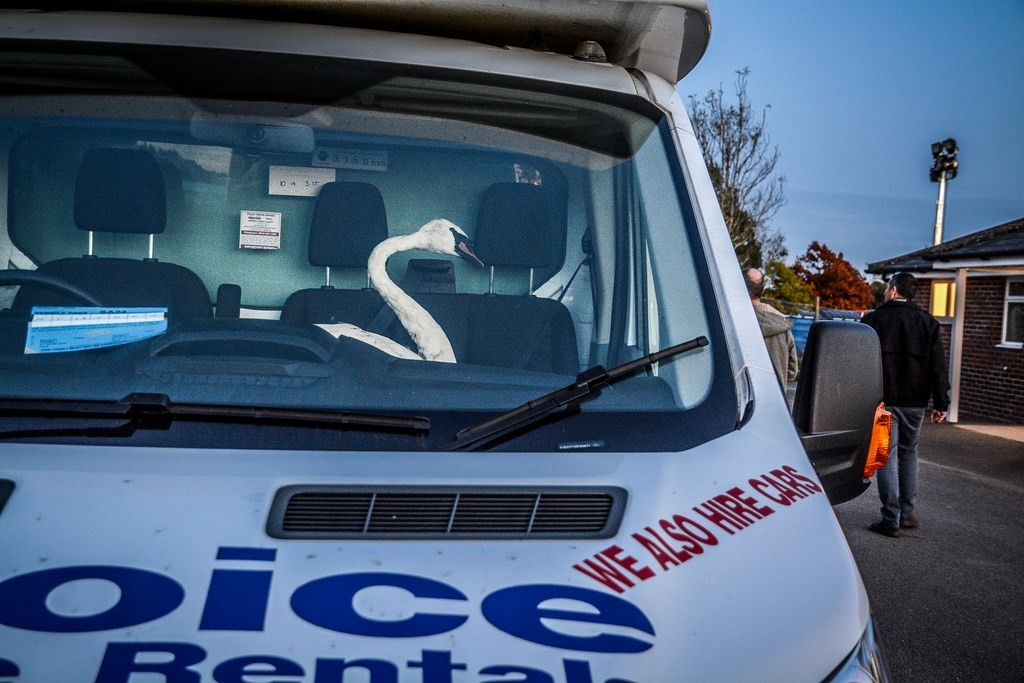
{"points": [[59, 329], [259, 230], [351, 159], [299, 181]]}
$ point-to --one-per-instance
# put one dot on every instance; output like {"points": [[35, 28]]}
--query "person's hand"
{"points": [[938, 416]]}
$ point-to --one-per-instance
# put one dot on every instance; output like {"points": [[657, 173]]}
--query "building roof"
{"points": [[999, 246]]}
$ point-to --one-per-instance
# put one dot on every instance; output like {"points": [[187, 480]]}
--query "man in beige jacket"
{"points": [[776, 329]]}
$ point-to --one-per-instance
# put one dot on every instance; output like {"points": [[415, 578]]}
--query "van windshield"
{"points": [[370, 241]]}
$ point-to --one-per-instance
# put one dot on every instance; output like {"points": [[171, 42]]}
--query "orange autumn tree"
{"points": [[833, 279]]}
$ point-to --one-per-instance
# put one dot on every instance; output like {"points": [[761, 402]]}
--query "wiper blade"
{"points": [[157, 410], [585, 383]]}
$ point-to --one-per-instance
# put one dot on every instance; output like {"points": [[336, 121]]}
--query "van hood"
{"points": [[125, 560]]}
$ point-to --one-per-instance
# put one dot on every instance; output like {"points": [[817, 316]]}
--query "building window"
{"points": [[943, 298], [1013, 313]]}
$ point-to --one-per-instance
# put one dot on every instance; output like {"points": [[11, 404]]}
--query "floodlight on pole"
{"points": [[944, 168]]}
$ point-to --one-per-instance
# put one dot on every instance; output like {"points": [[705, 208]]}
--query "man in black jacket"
{"points": [[913, 371]]}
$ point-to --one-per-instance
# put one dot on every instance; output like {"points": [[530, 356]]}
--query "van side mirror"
{"points": [[840, 386]]}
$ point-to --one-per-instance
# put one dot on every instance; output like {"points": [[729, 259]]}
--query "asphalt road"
{"points": [[948, 597]]}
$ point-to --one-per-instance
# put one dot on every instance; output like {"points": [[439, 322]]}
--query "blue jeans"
{"points": [[898, 480]]}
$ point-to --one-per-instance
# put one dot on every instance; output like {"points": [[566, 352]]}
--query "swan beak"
{"points": [[464, 248]]}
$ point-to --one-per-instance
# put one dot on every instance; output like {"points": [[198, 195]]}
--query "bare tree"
{"points": [[741, 161]]}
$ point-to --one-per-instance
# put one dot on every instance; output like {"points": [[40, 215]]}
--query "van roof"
{"points": [[665, 37]]}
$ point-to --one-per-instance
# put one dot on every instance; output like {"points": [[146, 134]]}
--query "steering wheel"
{"points": [[34, 278]]}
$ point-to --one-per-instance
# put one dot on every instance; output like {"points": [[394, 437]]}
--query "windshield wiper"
{"points": [[585, 383], [156, 411]]}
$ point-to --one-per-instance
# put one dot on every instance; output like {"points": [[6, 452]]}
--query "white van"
{"points": [[367, 342]]}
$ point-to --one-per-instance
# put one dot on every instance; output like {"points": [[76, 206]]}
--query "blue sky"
{"points": [[858, 91]]}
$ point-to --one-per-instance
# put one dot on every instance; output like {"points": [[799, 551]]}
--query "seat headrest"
{"points": [[348, 222], [120, 190], [518, 225]]}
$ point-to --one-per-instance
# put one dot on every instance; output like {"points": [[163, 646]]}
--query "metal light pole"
{"points": [[944, 166]]}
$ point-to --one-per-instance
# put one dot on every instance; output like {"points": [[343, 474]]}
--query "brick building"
{"points": [[974, 286]]}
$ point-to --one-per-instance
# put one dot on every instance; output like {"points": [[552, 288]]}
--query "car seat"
{"points": [[121, 191]]}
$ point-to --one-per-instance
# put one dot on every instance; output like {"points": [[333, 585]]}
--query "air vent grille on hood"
{"points": [[346, 512]]}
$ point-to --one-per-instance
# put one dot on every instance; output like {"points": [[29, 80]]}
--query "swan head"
{"points": [[444, 237]]}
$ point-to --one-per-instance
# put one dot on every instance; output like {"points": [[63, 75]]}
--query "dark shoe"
{"points": [[885, 530], [909, 522]]}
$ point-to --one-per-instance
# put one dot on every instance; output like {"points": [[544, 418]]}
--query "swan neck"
{"points": [[429, 337]]}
